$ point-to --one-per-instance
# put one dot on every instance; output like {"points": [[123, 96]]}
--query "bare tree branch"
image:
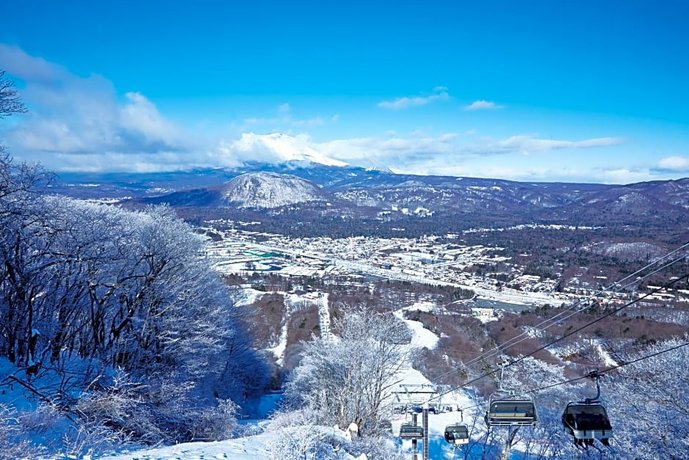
{"points": [[10, 101]]}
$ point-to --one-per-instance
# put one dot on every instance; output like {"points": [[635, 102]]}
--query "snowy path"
{"points": [[438, 448], [324, 316], [421, 337], [248, 448]]}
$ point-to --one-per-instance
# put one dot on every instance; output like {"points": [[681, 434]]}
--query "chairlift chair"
{"points": [[509, 411], [588, 420], [457, 434], [411, 431]]}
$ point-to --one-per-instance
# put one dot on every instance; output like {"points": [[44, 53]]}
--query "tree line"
{"points": [[114, 318]]}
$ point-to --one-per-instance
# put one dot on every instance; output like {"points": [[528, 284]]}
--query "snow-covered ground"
{"points": [[261, 446], [294, 302], [264, 446], [247, 296], [247, 448], [421, 337], [279, 350]]}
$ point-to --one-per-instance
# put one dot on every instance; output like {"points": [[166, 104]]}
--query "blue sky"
{"points": [[573, 91]]}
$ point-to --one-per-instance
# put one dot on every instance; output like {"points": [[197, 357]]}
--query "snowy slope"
{"points": [[421, 337], [263, 446], [269, 190], [248, 448]]}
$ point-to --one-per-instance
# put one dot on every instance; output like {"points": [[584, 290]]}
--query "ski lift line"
{"points": [[487, 374], [587, 376], [601, 318], [614, 287], [569, 334], [610, 369], [672, 262], [684, 246], [576, 308], [573, 308]]}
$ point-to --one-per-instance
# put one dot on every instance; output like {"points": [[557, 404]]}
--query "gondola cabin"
{"points": [[511, 412], [457, 434], [586, 422], [409, 431]]}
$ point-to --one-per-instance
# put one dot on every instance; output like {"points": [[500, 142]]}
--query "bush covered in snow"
{"points": [[88, 289]]}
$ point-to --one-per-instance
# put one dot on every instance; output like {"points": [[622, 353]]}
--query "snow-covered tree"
{"points": [[347, 379], [87, 288], [12, 445], [10, 102], [648, 404]]}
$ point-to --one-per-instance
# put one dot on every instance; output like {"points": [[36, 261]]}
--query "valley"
{"points": [[422, 289], [344, 230]]}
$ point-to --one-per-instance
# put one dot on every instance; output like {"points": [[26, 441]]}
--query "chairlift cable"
{"points": [[573, 310], [610, 369], [577, 310], [655, 261], [575, 304], [582, 308], [569, 334], [588, 376]]}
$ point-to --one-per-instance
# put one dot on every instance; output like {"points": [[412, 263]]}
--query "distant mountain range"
{"points": [[358, 191]]}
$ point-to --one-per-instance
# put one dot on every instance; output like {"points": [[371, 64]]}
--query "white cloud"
{"points": [[482, 105], [530, 144], [141, 115], [624, 175], [76, 121], [563, 173], [674, 163], [383, 153], [440, 93], [419, 153], [17, 62], [391, 151], [272, 148], [284, 119]]}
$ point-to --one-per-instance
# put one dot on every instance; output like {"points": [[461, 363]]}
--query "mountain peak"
{"points": [[283, 148], [269, 190]]}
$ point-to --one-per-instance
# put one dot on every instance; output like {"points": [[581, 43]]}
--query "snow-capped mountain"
{"points": [[280, 148], [269, 190], [355, 191]]}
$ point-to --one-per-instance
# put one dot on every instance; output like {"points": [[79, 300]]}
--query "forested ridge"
{"points": [[113, 326]]}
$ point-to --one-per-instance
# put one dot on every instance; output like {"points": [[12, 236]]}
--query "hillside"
{"points": [[269, 190], [386, 196]]}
